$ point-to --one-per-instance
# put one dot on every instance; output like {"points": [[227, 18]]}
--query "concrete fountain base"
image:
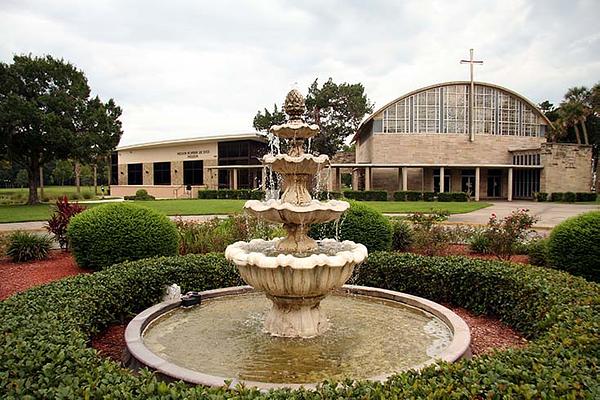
{"points": [[296, 317]]}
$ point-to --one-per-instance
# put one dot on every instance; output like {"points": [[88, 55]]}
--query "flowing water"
{"points": [[368, 337]]}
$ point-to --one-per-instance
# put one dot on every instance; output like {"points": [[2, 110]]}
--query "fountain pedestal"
{"points": [[296, 316], [305, 270]]}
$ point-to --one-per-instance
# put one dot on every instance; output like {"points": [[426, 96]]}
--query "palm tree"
{"points": [[577, 109], [558, 129]]}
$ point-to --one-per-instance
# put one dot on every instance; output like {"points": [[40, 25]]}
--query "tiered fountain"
{"points": [[312, 327], [296, 272]]}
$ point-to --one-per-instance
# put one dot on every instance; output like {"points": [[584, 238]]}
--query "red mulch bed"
{"points": [[17, 277], [487, 333], [463, 250]]}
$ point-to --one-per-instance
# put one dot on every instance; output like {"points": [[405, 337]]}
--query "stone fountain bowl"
{"points": [[289, 275], [306, 164], [314, 212], [295, 130]]}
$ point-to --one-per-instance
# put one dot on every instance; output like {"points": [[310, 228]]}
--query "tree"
{"points": [[21, 179], [87, 175], [63, 171], [575, 109], [46, 114], [263, 122], [549, 110], [338, 109]]}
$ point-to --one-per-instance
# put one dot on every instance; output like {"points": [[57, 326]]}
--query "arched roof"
{"points": [[451, 83]]}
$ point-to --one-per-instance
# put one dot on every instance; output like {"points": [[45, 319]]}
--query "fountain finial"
{"points": [[294, 105]]}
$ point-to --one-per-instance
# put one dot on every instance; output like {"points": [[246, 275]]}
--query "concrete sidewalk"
{"points": [[549, 214]]}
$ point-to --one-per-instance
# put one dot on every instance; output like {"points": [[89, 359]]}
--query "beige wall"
{"points": [[567, 168], [158, 191], [181, 152], [441, 148]]}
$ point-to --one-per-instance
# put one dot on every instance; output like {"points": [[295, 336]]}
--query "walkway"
{"points": [[549, 214]]}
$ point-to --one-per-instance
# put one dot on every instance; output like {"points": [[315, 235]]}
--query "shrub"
{"points": [[569, 197], [556, 197], [58, 222], [75, 196], [141, 195], [112, 233], [574, 246], [45, 346], [87, 195], [540, 196], [480, 243], [27, 246], [504, 235], [537, 250], [361, 224], [407, 196], [366, 195], [453, 196], [3, 243], [238, 194], [428, 196], [402, 237], [429, 237], [215, 235], [324, 196], [584, 196]]}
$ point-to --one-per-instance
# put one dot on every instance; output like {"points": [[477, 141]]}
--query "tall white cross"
{"points": [[471, 63]]}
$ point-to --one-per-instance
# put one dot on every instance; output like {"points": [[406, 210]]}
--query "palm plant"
{"points": [[576, 109]]}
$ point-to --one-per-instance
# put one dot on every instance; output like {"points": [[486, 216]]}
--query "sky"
{"points": [[190, 68]]}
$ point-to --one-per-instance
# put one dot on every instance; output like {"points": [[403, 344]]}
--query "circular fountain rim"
{"points": [[314, 205], [140, 355], [239, 254]]}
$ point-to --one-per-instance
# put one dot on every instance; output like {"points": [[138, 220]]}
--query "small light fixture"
{"points": [[175, 171]]}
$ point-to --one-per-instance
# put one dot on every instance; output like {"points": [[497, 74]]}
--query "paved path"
{"points": [[40, 225], [549, 214]]}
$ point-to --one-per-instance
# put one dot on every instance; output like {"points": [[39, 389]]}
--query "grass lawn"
{"points": [[22, 213], [52, 192]]}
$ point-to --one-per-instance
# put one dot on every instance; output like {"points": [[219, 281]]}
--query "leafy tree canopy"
{"points": [[46, 114], [338, 109]]}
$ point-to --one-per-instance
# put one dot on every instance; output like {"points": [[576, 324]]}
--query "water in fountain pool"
{"points": [[368, 337]]}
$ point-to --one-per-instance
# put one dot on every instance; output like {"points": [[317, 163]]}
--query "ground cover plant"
{"points": [[117, 232], [45, 346]]}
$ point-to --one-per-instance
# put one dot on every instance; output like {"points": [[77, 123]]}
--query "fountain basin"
{"points": [[295, 130], [305, 164], [375, 333], [313, 212]]}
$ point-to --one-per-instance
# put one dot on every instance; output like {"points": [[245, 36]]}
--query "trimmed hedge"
{"points": [[238, 194], [361, 224], [574, 245], [366, 195], [45, 349], [556, 196], [585, 196], [408, 196], [112, 233], [452, 196], [140, 194], [324, 196], [540, 196], [428, 196]]}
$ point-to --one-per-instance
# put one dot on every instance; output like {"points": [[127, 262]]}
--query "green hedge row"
{"points": [[570, 197], [45, 353], [430, 196], [238, 194], [366, 195]]}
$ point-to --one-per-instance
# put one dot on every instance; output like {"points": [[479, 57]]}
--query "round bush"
{"points": [[361, 224], [113, 233], [45, 349], [574, 246]]}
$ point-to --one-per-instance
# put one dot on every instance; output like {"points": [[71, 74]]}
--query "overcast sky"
{"points": [[193, 68]]}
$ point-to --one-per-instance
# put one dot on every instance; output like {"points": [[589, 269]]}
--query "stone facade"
{"points": [[567, 168]]}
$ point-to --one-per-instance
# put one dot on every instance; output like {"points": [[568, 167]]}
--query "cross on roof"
{"points": [[472, 62]]}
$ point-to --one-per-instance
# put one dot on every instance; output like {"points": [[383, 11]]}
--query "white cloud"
{"points": [[188, 68]]}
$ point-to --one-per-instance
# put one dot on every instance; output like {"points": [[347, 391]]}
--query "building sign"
{"points": [[193, 153]]}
